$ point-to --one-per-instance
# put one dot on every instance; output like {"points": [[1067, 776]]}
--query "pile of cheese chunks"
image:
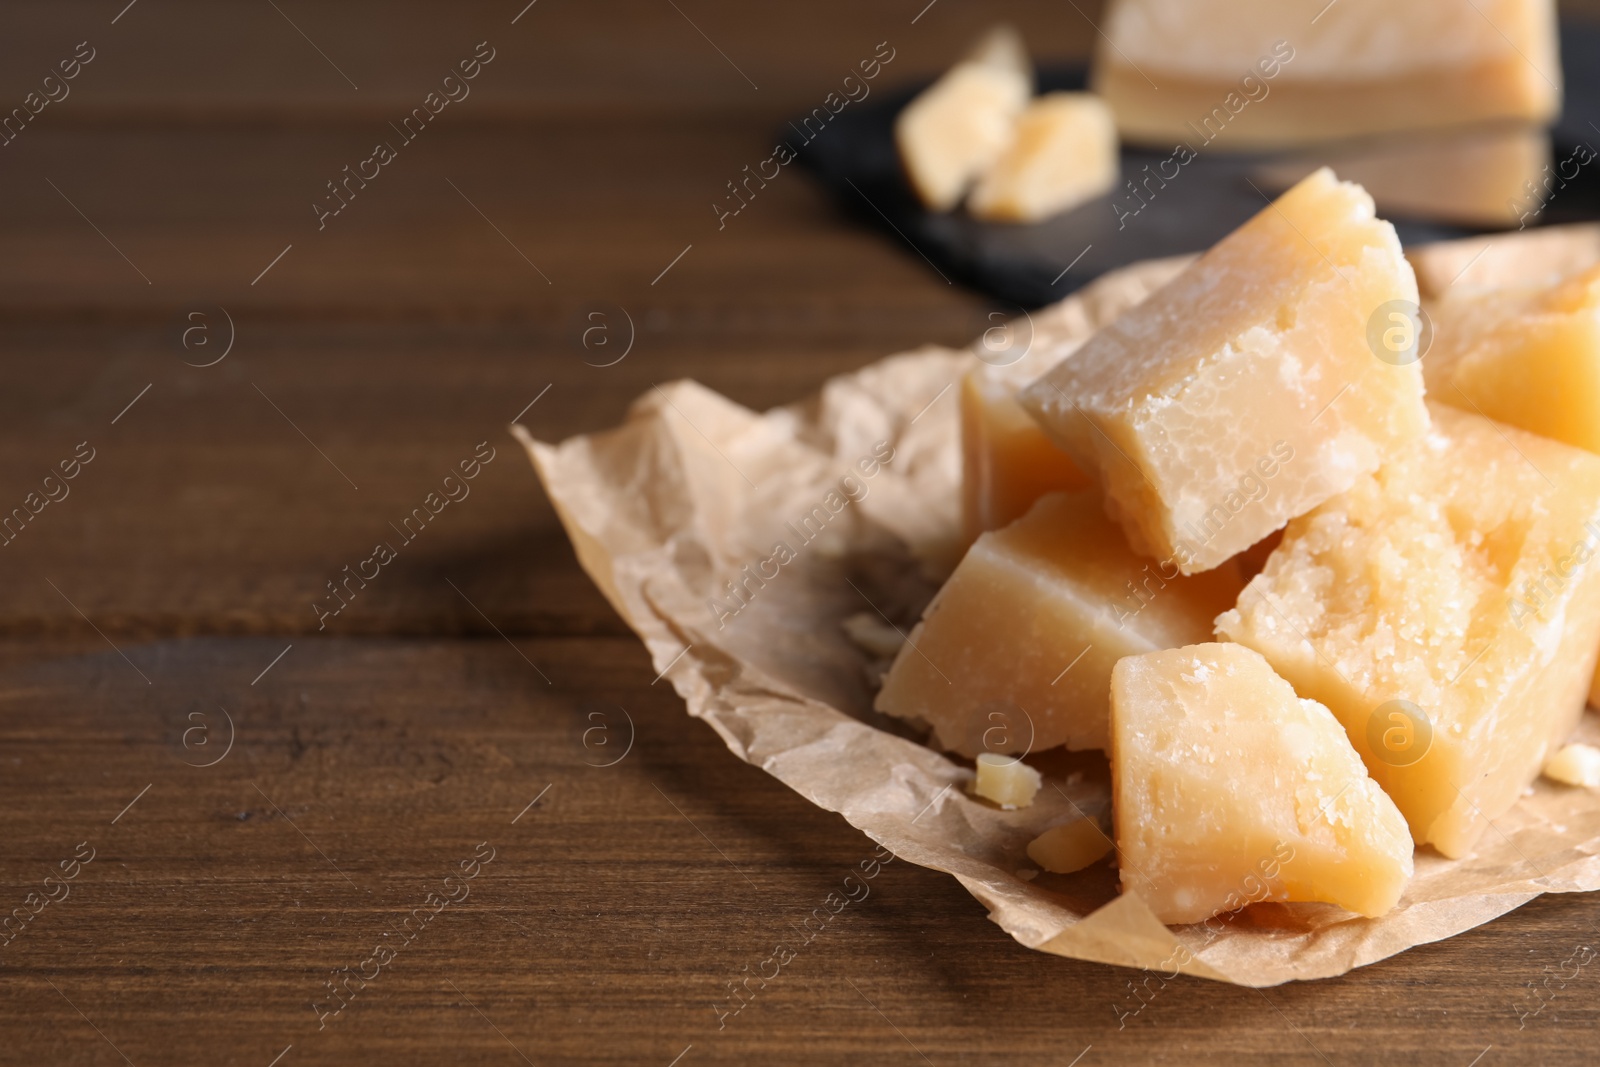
{"points": [[1318, 571]]}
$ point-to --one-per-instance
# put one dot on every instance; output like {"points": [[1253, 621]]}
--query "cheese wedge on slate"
{"points": [[1528, 356], [1229, 789], [1007, 460], [1476, 177], [1249, 389], [1254, 74], [1015, 652], [959, 125], [1447, 610], [1063, 153]]}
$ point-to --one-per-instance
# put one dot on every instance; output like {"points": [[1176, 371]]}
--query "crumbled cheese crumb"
{"points": [[1575, 764], [1006, 780]]}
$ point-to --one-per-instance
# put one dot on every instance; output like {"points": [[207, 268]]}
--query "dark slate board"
{"points": [[854, 157]]}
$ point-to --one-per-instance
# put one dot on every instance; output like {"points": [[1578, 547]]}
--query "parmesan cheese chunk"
{"points": [[1254, 74], [1064, 152], [1007, 460], [1228, 789], [1015, 652], [1447, 610], [1006, 780], [958, 126], [1528, 356], [1249, 389]]}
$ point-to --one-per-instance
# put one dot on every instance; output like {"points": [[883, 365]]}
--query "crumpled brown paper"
{"points": [[694, 492]]}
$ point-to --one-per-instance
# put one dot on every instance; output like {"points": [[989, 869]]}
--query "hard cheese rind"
{"points": [[1229, 789], [1246, 391], [1447, 610], [1263, 74], [1015, 653]]}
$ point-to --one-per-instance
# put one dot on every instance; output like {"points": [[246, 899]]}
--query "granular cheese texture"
{"points": [[1447, 610], [1007, 460], [1246, 391], [1015, 652], [1227, 789]]}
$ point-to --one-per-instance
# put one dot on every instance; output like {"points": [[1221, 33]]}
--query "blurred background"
{"points": [[178, 178]]}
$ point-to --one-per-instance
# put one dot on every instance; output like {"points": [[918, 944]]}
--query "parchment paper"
{"points": [[692, 489]]}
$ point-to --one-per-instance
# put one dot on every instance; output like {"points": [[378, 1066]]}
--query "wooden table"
{"points": [[263, 801]]}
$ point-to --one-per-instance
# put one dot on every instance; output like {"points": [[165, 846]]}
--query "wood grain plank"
{"points": [[194, 60], [614, 912]]}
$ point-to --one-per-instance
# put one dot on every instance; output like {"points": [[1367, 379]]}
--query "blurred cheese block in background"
{"points": [[1015, 652], [961, 123], [1229, 789], [1248, 390], [1575, 765], [1478, 177], [1063, 152], [1007, 461], [1251, 74], [1542, 256], [1528, 356], [1447, 610]]}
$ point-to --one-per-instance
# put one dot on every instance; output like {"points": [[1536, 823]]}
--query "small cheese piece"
{"points": [[1229, 789], [1007, 460], [957, 127], [1069, 847], [1447, 610], [1575, 764], [1528, 356], [1254, 74], [1015, 652], [1006, 780], [1248, 390], [1064, 153], [1477, 177]]}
